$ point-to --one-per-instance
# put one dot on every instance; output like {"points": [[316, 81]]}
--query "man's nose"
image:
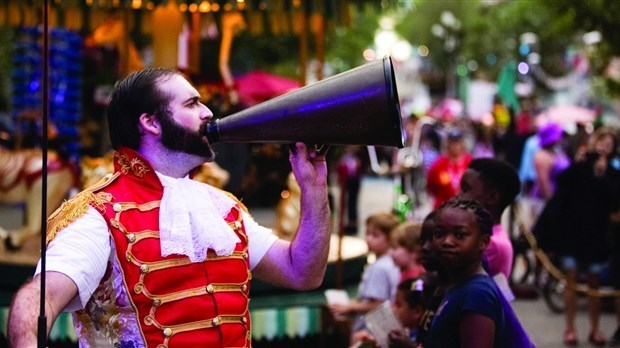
{"points": [[206, 113]]}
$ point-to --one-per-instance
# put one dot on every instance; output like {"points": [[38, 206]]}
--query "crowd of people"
{"points": [[569, 184], [576, 224], [447, 294]]}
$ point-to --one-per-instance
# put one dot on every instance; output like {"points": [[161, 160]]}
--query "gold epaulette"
{"points": [[231, 196], [72, 209]]}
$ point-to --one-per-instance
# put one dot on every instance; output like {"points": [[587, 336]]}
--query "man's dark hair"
{"points": [[134, 95], [498, 175]]}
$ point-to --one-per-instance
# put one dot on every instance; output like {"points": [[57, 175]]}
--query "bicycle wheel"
{"points": [[522, 264], [553, 294]]}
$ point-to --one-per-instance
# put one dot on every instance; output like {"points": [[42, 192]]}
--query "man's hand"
{"points": [[309, 166]]}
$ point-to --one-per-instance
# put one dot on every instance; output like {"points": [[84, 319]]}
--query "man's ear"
{"points": [[149, 124], [494, 197]]}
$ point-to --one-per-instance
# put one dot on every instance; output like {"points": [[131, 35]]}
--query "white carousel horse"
{"points": [[21, 183], [288, 210]]}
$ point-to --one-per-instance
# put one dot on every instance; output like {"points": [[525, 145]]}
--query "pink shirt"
{"points": [[499, 253], [412, 273]]}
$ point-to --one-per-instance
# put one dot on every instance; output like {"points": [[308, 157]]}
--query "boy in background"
{"points": [[380, 279], [495, 185], [406, 248]]}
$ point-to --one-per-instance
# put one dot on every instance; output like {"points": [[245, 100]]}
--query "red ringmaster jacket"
{"points": [[144, 299]]}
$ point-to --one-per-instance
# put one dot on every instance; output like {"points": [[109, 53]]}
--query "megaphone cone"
{"points": [[357, 107]]}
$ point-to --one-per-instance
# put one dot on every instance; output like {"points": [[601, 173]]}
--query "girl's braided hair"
{"points": [[416, 291], [483, 218]]}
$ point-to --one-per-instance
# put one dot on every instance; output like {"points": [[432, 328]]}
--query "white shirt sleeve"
{"points": [[81, 252], [260, 239]]}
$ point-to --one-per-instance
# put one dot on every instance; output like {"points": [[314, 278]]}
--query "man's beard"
{"points": [[177, 138]]}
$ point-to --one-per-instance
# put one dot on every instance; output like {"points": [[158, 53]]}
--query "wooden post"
{"points": [[303, 45], [318, 24], [341, 213], [194, 43], [123, 45]]}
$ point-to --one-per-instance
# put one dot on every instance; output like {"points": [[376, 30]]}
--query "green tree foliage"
{"points": [[345, 44], [278, 54], [416, 26], [488, 30], [594, 15], [494, 29]]}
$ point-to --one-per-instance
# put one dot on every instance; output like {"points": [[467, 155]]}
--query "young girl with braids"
{"points": [[473, 311], [409, 306]]}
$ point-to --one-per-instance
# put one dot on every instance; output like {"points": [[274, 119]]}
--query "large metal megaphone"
{"points": [[357, 107]]}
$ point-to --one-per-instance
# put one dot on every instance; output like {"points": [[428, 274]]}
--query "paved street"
{"points": [[546, 328]]}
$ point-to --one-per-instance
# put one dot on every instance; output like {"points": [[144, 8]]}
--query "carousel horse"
{"points": [[21, 181], [21, 184], [288, 210]]}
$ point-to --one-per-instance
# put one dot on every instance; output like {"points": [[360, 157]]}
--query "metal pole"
{"points": [[42, 322]]}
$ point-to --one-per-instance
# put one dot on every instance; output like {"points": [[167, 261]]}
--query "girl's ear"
{"points": [[149, 124]]}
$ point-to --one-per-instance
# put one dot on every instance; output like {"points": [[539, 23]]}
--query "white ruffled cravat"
{"points": [[192, 219]]}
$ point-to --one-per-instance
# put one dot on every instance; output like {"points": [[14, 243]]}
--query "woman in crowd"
{"points": [[574, 225]]}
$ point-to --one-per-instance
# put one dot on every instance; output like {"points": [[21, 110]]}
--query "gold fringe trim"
{"points": [[77, 206], [241, 205], [73, 209]]}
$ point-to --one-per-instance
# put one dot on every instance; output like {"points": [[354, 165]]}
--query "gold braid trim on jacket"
{"points": [[231, 196], [77, 206]]}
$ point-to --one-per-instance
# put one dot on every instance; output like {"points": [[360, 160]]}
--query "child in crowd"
{"points": [[473, 311], [380, 278], [433, 284], [409, 305], [406, 250], [444, 176], [495, 185]]}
